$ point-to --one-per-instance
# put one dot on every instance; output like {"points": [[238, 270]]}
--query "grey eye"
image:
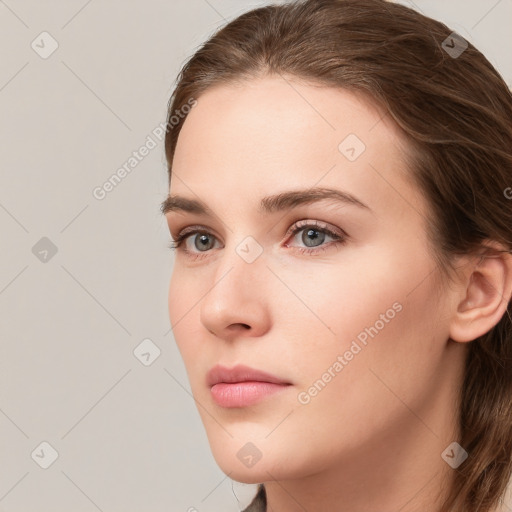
{"points": [[310, 237], [203, 242]]}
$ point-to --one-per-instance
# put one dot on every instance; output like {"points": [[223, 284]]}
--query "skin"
{"points": [[372, 438]]}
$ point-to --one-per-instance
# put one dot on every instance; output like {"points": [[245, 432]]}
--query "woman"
{"points": [[340, 204]]}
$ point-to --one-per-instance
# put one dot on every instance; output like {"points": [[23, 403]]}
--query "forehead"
{"points": [[281, 113], [275, 133]]}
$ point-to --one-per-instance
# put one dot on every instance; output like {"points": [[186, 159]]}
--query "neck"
{"points": [[399, 476]]}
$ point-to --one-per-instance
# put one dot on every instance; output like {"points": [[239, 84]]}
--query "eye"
{"points": [[197, 241], [313, 236], [194, 239]]}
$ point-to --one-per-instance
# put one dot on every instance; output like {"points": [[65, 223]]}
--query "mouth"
{"points": [[242, 386]]}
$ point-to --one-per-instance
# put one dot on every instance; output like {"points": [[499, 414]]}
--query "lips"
{"points": [[240, 373], [242, 386]]}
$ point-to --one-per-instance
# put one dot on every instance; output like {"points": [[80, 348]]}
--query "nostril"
{"points": [[234, 326]]}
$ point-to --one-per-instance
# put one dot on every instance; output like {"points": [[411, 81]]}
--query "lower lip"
{"points": [[243, 394]]}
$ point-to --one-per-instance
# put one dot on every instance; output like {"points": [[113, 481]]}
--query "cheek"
{"points": [[182, 302], [382, 318], [174, 302], [333, 303]]}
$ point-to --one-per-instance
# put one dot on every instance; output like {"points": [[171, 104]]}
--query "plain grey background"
{"points": [[83, 281]]}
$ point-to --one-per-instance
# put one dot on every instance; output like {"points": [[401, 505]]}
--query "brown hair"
{"points": [[455, 112]]}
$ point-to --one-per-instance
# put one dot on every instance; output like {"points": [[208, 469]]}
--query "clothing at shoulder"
{"points": [[259, 503]]}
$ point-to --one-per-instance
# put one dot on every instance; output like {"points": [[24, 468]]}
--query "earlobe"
{"points": [[486, 293]]}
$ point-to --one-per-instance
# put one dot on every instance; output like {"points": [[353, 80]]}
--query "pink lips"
{"points": [[241, 385]]}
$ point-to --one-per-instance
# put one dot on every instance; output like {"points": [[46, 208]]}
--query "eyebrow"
{"points": [[278, 202]]}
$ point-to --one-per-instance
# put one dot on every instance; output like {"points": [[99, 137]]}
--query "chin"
{"points": [[247, 477], [267, 463], [237, 471]]}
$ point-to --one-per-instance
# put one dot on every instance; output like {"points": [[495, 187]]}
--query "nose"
{"points": [[236, 302]]}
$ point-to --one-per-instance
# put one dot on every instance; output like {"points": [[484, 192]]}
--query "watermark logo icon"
{"points": [[44, 250], [351, 147], [454, 455], [45, 455], [249, 454], [454, 45], [249, 249], [146, 352], [44, 45]]}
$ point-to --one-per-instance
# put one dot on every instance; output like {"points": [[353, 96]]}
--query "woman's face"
{"points": [[344, 311]]}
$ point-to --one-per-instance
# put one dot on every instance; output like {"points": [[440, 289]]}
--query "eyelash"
{"points": [[338, 239]]}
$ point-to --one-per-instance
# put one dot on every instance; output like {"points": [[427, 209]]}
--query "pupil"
{"points": [[314, 234], [204, 241]]}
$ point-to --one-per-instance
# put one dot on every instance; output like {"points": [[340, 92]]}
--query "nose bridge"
{"points": [[242, 263], [237, 293]]}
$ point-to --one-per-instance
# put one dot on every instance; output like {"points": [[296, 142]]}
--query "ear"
{"points": [[485, 291]]}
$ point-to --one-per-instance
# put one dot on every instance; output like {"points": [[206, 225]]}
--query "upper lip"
{"points": [[240, 373]]}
